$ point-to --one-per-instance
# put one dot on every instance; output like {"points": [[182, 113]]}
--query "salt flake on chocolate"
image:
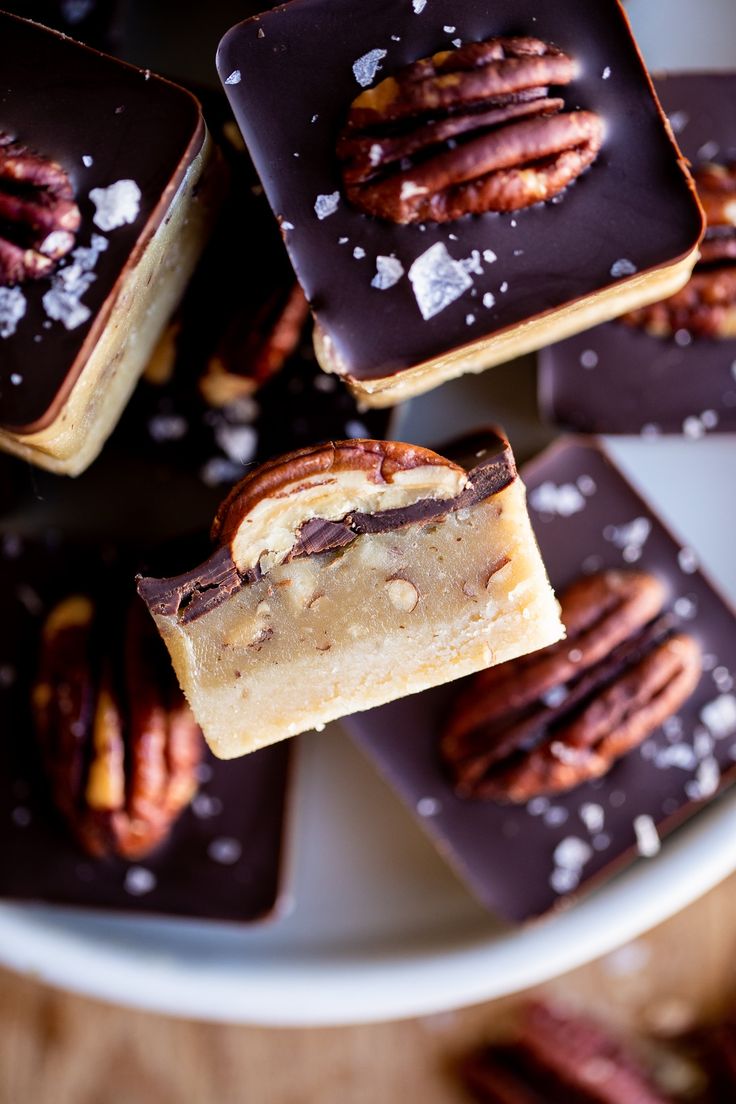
{"points": [[12, 308], [647, 837], [234, 78], [719, 716], [389, 271], [623, 267], [63, 301], [563, 500], [418, 6], [366, 67], [438, 280], [326, 205], [115, 206]]}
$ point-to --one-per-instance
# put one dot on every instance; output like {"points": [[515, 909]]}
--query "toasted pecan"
{"points": [[38, 216], [706, 306], [466, 131], [557, 1058], [118, 740], [549, 721]]}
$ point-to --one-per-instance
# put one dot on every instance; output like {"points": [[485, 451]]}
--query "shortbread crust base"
{"points": [[526, 337], [150, 291], [321, 637]]}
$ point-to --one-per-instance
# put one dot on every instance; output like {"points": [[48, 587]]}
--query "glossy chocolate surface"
{"points": [[68, 102], [518, 860], [223, 859], [620, 379], [289, 75]]}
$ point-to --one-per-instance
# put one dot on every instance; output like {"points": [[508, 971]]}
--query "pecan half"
{"points": [[38, 216], [263, 517], [255, 348], [466, 131], [549, 721], [558, 1058], [118, 740], [706, 306]]}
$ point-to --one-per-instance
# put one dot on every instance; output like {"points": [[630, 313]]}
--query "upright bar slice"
{"points": [[347, 575]]}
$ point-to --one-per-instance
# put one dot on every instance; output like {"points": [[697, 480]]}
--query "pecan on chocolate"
{"points": [[706, 306], [119, 743], [558, 1058], [546, 722], [466, 131], [38, 216], [255, 348]]}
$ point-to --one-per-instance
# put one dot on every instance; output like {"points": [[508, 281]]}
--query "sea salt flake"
{"points": [[683, 338], [647, 837], [139, 881], [563, 880], [234, 78], [12, 309], [678, 121], [630, 538], [706, 781], [572, 853], [504, 287], [326, 205], [449, 30], [686, 608], [354, 428], [489, 256], [87, 161], [366, 67], [623, 267], [719, 716], [687, 560], [680, 755], [238, 442], [206, 805], [708, 151], [437, 280], [219, 470], [587, 485], [472, 263], [693, 427], [489, 300], [359, 252], [117, 205], [606, 73], [457, 42], [225, 850], [592, 816], [389, 271], [418, 6], [469, 319], [16, 379], [556, 816], [563, 500], [723, 679], [167, 427], [537, 806], [589, 358], [428, 806]]}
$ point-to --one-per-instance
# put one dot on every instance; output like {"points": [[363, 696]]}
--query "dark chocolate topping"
{"points": [[72, 103], [617, 379], [223, 858], [196, 592], [665, 780], [297, 83]]}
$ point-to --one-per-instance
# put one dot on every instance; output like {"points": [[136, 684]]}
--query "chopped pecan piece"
{"points": [[255, 348], [558, 1058], [547, 722], [466, 131], [38, 216], [706, 306], [118, 740]]}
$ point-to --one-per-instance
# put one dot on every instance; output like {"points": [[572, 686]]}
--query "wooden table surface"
{"points": [[60, 1049]]}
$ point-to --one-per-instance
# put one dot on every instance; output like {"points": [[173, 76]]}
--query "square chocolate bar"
{"points": [[669, 368], [223, 858], [523, 857], [452, 191], [106, 199]]}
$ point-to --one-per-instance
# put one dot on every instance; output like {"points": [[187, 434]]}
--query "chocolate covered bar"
{"points": [[107, 195], [555, 1057], [349, 574], [667, 368], [221, 858], [523, 859], [486, 178]]}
